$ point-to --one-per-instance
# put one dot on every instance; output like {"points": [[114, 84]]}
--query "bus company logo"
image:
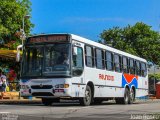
{"points": [[130, 80], [106, 77]]}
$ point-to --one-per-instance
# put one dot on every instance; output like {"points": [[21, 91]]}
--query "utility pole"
{"points": [[23, 36]]}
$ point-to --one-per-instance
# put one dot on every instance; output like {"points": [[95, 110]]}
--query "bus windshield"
{"points": [[46, 60]]}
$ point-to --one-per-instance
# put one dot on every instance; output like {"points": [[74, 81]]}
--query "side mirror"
{"points": [[75, 51], [18, 55]]}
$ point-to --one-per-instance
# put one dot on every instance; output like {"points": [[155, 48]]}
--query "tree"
{"points": [[12, 13], [138, 39], [156, 76]]}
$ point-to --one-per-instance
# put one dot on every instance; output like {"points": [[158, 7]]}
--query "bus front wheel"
{"points": [[86, 100]]}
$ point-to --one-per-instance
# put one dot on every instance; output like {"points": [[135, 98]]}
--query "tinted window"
{"points": [[99, 59], [131, 66], [33, 61], [47, 60], [138, 68], [125, 64], [78, 62], [143, 69], [89, 56], [117, 62], [109, 60]]}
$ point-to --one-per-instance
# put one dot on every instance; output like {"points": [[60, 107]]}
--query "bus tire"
{"points": [[125, 99], [126, 96], [132, 96], [86, 100], [47, 101]]}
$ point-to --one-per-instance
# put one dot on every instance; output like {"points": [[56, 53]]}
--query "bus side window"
{"points": [[145, 73], [140, 73], [138, 69], [89, 56], [120, 62], [125, 64], [99, 59], [131, 66], [78, 62], [109, 60], [143, 69], [117, 62]]}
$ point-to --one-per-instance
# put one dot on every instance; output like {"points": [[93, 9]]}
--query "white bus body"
{"points": [[118, 82]]}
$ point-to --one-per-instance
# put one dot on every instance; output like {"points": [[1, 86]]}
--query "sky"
{"points": [[89, 18]]}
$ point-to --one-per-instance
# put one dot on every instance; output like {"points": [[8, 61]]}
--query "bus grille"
{"points": [[42, 87], [42, 94]]}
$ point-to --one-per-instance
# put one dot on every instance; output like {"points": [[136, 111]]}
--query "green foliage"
{"points": [[139, 40], [157, 76], [12, 13]]}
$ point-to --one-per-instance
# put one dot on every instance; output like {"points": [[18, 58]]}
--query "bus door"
{"points": [[77, 72]]}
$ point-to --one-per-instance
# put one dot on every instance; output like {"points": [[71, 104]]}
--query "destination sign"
{"points": [[49, 38]]}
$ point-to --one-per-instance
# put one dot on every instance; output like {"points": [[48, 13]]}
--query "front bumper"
{"points": [[45, 92]]}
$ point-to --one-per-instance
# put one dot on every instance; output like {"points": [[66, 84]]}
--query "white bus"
{"points": [[67, 66]]}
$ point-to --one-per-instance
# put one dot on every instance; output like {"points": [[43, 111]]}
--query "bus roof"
{"points": [[99, 45]]}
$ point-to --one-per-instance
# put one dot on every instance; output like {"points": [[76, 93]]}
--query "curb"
{"points": [[38, 101]]}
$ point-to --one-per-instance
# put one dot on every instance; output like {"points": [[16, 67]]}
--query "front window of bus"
{"points": [[48, 60], [32, 63], [57, 60]]}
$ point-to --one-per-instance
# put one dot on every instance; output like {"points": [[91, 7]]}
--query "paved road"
{"points": [[71, 111]]}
